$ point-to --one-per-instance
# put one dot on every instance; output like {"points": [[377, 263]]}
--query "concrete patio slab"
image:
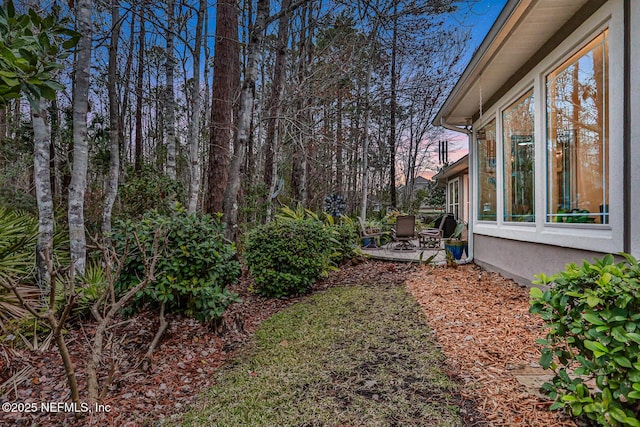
{"points": [[388, 253]]}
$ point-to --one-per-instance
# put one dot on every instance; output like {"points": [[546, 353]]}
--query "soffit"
{"points": [[521, 31]]}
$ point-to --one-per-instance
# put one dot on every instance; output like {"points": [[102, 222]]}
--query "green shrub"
{"points": [[593, 318], [347, 240], [196, 265], [148, 190], [286, 256]]}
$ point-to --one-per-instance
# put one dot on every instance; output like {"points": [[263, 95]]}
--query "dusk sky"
{"points": [[480, 16]]}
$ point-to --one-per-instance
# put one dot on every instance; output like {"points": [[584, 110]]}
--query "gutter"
{"points": [[469, 132]]}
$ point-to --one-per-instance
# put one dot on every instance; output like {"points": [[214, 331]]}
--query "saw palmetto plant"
{"points": [[18, 236]]}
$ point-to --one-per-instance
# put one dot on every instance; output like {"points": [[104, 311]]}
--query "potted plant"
{"points": [[456, 244]]}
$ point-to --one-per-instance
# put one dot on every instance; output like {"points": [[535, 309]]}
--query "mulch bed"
{"points": [[482, 323], [480, 320]]}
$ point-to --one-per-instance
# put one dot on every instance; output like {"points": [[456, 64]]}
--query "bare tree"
{"points": [[77, 188], [244, 119], [114, 121], [299, 163], [274, 104], [196, 110], [54, 315], [44, 196], [170, 102], [108, 305], [392, 112], [139, 143]]}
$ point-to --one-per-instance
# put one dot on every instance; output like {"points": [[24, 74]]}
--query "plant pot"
{"points": [[456, 247]]}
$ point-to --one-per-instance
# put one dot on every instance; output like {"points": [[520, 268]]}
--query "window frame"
{"points": [[559, 67], [595, 237], [512, 106], [454, 203], [487, 165]]}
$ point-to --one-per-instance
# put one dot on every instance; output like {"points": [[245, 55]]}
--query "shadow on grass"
{"points": [[357, 355]]}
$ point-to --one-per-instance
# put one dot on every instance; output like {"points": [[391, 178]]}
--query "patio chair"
{"points": [[404, 232], [373, 237], [431, 237]]}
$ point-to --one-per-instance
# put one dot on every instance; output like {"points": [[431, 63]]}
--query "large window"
{"points": [[486, 142], [577, 187], [518, 149]]}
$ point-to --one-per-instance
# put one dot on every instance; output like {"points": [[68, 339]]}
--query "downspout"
{"points": [[626, 129], [469, 132]]}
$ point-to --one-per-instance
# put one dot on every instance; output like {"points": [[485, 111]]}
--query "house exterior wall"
{"points": [[521, 261], [523, 249], [634, 233]]}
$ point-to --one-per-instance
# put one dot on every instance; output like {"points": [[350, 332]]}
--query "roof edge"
{"points": [[478, 55]]}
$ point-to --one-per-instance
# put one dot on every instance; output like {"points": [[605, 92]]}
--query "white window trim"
{"points": [[596, 237], [457, 202], [474, 167], [529, 86]]}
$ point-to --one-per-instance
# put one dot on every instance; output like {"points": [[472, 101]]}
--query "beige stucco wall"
{"points": [[522, 260], [635, 128]]}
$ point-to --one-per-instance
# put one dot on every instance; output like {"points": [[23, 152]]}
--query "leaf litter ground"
{"points": [[479, 321]]}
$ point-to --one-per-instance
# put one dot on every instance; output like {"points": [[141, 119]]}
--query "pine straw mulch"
{"points": [[482, 324]]}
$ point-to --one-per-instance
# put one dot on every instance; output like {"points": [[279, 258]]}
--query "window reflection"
{"points": [[577, 137], [518, 146], [454, 198], [486, 142]]}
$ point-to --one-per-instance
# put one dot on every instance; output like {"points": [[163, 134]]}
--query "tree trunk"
{"points": [[339, 161], [275, 100], [205, 115], [56, 328], [365, 145], [126, 146], [194, 123], [244, 119], [225, 76], [301, 150], [77, 239], [138, 158], [44, 197], [56, 138], [392, 118], [170, 102], [114, 123]]}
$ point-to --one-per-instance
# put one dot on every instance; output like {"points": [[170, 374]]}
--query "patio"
{"points": [[387, 253]]}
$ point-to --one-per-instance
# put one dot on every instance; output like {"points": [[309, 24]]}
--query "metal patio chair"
{"points": [[404, 232], [432, 237]]}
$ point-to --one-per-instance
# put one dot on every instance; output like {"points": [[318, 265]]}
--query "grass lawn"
{"points": [[348, 356]]}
